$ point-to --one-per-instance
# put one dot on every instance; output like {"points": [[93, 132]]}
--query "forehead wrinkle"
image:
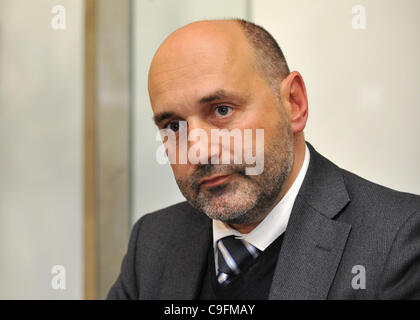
{"points": [[191, 75], [167, 72], [170, 86], [183, 71]]}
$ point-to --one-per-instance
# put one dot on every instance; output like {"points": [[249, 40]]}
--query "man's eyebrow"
{"points": [[158, 118], [217, 95], [214, 96]]}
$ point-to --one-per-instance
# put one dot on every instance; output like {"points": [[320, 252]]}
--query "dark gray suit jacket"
{"points": [[338, 221]]}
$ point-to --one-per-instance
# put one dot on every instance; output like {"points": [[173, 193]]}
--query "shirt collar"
{"points": [[275, 223]]}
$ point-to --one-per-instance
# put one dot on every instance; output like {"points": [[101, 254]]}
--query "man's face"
{"points": [[210, 80]]}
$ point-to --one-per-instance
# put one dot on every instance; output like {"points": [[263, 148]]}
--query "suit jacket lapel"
{"points": [[313, 242], [187, 261]]}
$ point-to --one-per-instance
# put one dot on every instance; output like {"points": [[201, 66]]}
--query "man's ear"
{"points": [[295, 100]]}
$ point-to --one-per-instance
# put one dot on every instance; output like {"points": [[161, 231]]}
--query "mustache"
{"points": [[206, 170]]}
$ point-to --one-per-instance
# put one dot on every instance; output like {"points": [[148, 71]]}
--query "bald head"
{"points": [[236, 38], [200, 49]]}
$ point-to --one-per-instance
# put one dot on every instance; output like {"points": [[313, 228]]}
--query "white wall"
{"points": [[153, 184], [363, 85], [41, 97]]}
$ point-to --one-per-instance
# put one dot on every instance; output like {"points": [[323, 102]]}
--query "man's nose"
{"points": [[200, 147]]}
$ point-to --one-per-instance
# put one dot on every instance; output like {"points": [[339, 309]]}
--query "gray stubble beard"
{"points": [[247, 199]]}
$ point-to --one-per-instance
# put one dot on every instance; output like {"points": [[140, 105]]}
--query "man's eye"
{"points": [[173, 125], [222, 111]]}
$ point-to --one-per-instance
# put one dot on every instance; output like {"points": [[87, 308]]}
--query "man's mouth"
{"points": [[215, 180]]}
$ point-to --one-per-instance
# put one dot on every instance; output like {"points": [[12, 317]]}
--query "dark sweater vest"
{"points": [[253, 283]]}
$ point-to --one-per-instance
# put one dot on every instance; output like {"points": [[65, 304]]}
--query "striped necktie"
{"points": [[232, 255]]}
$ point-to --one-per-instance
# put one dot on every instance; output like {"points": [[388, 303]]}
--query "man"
{"points": [[301, 229]]}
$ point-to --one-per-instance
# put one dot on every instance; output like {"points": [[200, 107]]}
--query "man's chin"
{"points": [[227, 209], [228, 202]]}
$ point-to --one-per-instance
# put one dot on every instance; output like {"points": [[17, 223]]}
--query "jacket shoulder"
{"points": [[175, 218], [380, 199]]}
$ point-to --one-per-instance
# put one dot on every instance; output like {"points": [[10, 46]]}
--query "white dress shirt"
{"points": [[273, 225]]}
